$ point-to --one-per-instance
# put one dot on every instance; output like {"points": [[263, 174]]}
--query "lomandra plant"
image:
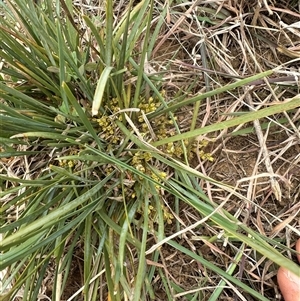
{"points": [[92, 156]]}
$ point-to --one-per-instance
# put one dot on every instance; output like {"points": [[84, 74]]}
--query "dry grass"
{"points": [[262, 163]]}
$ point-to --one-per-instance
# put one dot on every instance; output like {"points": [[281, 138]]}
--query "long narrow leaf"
{"points": [[278, 108]]}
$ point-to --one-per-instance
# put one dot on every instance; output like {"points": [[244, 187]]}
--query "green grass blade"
{"points": [[248, 117]]}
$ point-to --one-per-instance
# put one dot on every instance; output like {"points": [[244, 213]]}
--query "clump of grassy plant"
{"points": [[95, 158]]}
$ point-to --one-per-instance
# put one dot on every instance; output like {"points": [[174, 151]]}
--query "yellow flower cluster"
{"points": [[139, 157], [158, 177], [67, 163], [108, 170], [198, 150], [149, 105], [108, 129], [206, 156], [174, 149], [160, 128], [167, 215], [112, 105]]}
